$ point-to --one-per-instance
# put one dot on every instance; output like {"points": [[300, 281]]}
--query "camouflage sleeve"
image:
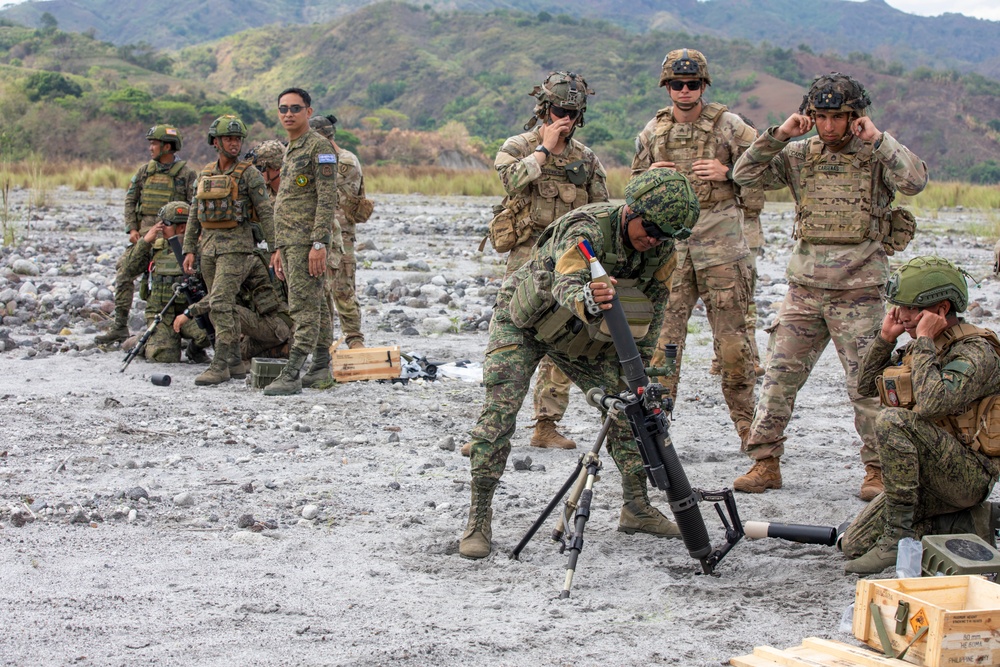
{"points": [[193, 231], [516, 166], [190, 184], [349, 180], [199, 308], [132, 199], [968, 370], [325, 223], [572, 271], [876, 359], [597, 187], [904, 171], [137, 257], [757, 166], [739, 136], [257, 191], [643, 152]]}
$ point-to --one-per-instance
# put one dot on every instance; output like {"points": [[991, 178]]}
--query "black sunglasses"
{"points": [[559, 112], [295, 108], [653, 231], [680, 85]]}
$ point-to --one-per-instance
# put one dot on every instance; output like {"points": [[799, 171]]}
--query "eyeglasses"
{"points": [[653, 231], [295, 108], [680, 85], [559, 112]]}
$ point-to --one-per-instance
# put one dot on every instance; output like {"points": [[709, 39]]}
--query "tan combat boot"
{"points": [[218, 371], [715, 368], [872, 486], [196, 354], [765, 474], [355, 344], [237, 367], [638, 516], [287, 382], [477, 540], [116, 334], [899, 524], [319, 373], [547, 437]]}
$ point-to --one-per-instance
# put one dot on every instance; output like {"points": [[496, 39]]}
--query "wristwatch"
{"points": [[319, 246], [543, 149]]}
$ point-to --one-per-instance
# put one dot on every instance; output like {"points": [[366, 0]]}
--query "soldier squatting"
{"points": [[273, 235]]}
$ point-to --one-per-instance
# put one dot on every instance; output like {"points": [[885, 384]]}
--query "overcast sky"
{"points": [[984, 9]]}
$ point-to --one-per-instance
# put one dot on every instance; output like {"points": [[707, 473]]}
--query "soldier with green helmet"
{"points": [[230, 215], [154, 259], [843, 181], [550, 306], [163, 179], [547, 173], [933, 433], [703, 140]]}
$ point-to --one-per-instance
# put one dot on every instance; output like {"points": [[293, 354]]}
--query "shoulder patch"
{"points": [[326, 158], [958, 366]]}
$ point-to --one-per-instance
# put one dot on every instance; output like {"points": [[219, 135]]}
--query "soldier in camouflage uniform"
{"points": [[231, 214], [307, 232], [267, 157], [261, 310], [163, 179], [354, 209], [547, 173], [634, 243], [843, 182], [702, 141], [155, 260], [928, 429]]}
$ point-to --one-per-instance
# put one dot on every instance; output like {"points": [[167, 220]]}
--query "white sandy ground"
{"points": [[375, 578]]}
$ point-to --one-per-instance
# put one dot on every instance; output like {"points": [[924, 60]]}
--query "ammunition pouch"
{"points": [[218, 198], [576, 172], [902, 227], [357, 209], [510, 226], [258, 233], [532, 298], [144, 287], [895, 387]]}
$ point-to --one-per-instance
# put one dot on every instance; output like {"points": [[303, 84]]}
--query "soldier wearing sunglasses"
{"points": [[702, 141], [546, 174]]}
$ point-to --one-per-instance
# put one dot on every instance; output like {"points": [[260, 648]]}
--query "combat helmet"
{"points": [[226, 126], [168, 134], [174, 213], [325, 125], [665, 198], [267, 155], [836, 93], [562, 89], [685, 64], [925, 281]]}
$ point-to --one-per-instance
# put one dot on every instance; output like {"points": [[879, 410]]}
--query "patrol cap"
{"points": [[927, 280], [665, 198], [174, 213]]}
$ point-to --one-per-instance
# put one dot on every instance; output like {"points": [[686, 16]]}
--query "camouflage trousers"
{"points": [[751, 308], [313, 327], [261, 333], [507, 374], [164, 345], [224, 274], [725, 290], [342, 297], [551, 396], [808, 319], [124, 288], [925, 467]]}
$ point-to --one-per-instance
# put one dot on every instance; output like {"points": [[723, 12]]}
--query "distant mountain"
{"points": [[391, 71], [838, 26]]}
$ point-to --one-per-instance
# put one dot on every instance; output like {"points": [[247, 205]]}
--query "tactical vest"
{"points": [[836, 204], [164, 260], [218, 197], [979, 426], [159, 188], [533, 306], [683, 143], [561, 188]]}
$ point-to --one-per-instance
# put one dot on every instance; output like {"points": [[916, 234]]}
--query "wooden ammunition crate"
{"points": [[365, 363], [815, 652], [962, 616]]}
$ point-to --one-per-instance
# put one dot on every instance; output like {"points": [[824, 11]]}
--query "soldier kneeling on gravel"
{"points": [[550, 306], [939, 459], [152, 254]]}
